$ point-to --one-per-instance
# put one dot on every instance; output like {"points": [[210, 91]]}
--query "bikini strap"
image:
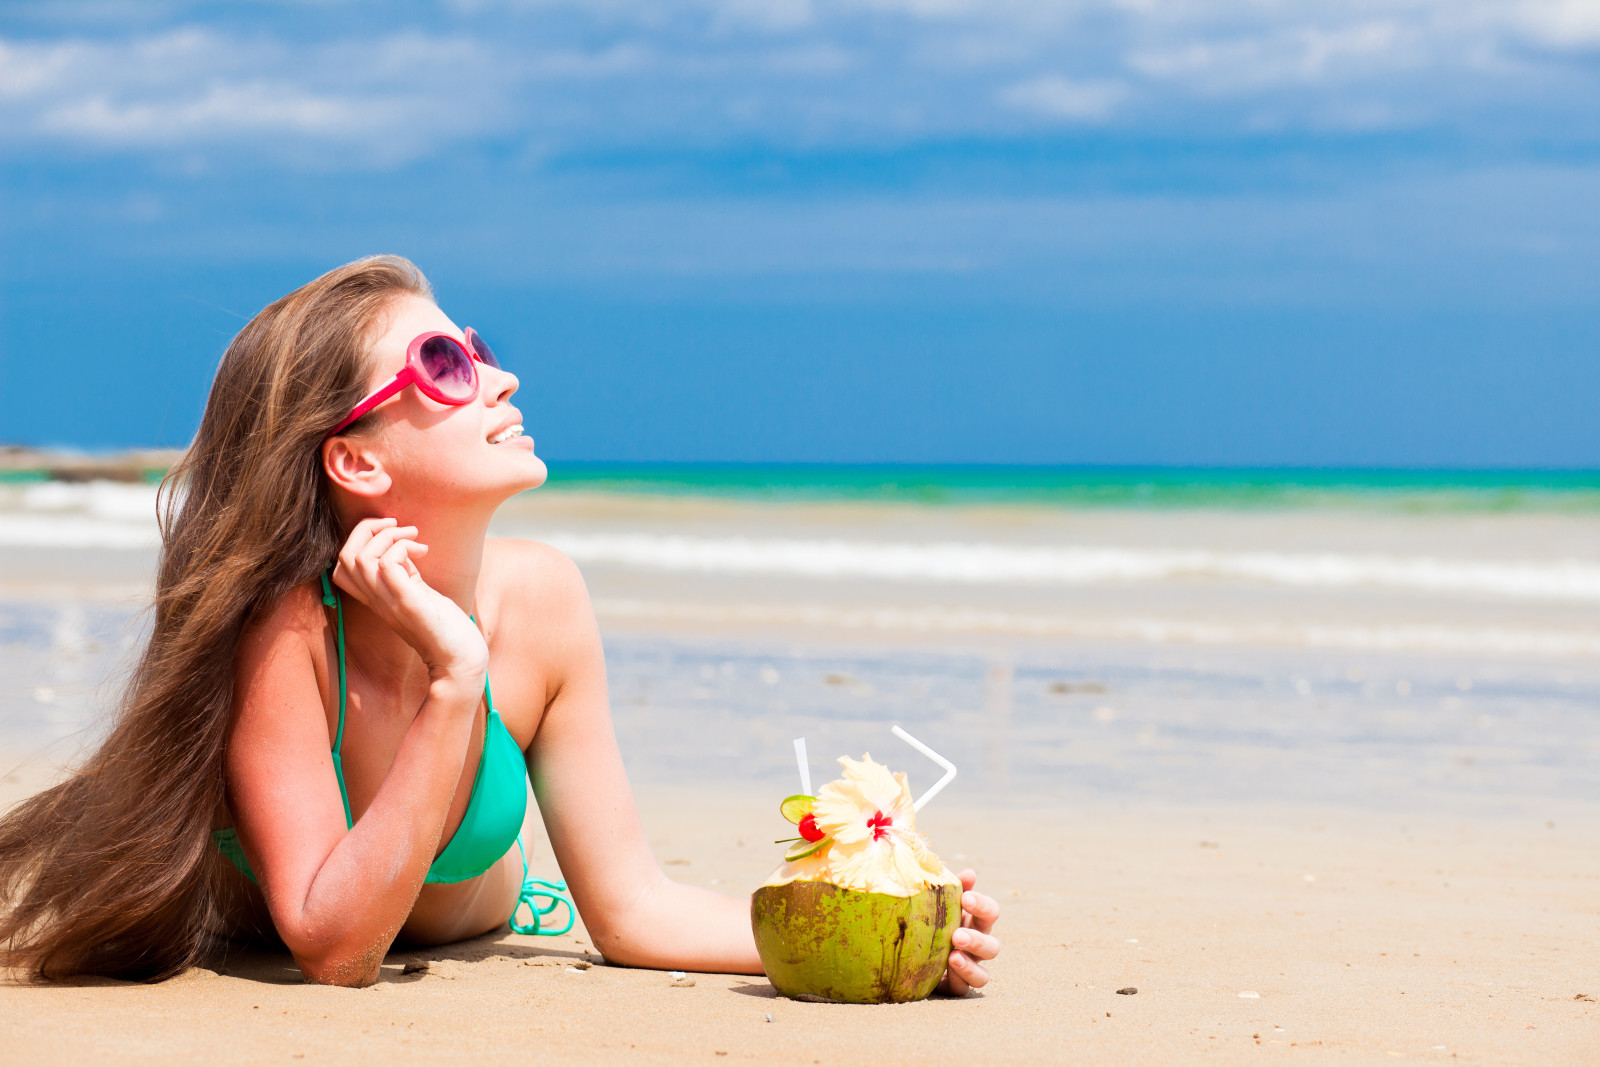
{"points": [[332, 599], [488, 697]]}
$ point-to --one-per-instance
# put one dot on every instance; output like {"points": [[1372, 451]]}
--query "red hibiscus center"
{"points": [[879, 825]]}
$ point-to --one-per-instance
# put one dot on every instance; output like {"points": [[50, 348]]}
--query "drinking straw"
{"points": [[949, 768], [805, 767]]}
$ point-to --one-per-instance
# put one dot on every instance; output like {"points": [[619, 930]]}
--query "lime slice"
{"points": [[797, 807], [801, 849]]}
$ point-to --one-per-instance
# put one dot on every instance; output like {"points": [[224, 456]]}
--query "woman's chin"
{"points": [[537, 473], [525, 471]]}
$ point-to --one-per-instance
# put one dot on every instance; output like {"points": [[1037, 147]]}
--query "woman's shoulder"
{"points": [[537, 603], [283, 658], [296, 620], [521, 562], [531, 578]]}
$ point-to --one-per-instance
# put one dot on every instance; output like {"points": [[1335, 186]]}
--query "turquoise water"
{"points": [[1264, 488], [1080, 487]]}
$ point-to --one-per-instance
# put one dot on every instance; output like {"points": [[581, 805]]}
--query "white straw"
{"points": [[949, 768], [805, 767]]}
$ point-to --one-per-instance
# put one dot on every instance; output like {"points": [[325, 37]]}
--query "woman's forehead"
{"points": [[406, 319]]}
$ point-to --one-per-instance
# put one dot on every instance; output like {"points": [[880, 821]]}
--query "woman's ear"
{"points": [[355, 468]]}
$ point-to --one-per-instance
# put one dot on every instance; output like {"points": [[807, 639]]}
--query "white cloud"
{"points": [[1303, 55], [259, 107], [567, 75], [1560, 23], [1059, 98], [383, 100]]}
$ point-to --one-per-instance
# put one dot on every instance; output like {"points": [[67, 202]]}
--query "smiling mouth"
{"points": [[506, 434]]}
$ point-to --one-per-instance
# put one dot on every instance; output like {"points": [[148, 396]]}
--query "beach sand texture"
{"points": [[1206, 768]]}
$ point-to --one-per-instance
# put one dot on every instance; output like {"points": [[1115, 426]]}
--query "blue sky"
{"points": [[1102, 231]]}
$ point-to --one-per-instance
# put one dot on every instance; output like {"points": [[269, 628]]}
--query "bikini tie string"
{"points": [[533, 890]]}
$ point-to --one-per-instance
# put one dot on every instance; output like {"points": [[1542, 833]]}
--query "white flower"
{"points": [[876, 847]]}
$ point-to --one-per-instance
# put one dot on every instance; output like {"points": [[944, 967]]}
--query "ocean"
{"points": [[1352, 637]]}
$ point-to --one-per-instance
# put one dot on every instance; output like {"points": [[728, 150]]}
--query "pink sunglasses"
{"points": [[437, 364]]}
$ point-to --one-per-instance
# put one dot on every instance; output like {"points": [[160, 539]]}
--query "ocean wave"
{"points": [[107, 515], [78, 516], [101, 500], [997, 564], [1412, 638], [73, 531]]}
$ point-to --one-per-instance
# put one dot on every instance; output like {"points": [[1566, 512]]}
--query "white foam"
{"points": [[89, 515], [108, 515], [988, 563], [103, 500], [70, 531]]}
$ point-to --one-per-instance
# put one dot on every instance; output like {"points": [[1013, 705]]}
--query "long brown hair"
{"points": [[107, 872]]}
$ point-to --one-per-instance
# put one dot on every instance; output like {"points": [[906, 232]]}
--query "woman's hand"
{"points": [[973, 942], [375, 567]]}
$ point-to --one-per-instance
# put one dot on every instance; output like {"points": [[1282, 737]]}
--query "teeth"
{"points": [[507, 434]]}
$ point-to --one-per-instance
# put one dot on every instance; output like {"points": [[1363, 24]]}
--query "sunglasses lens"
{"points": [[448, 367], [482, 350]]}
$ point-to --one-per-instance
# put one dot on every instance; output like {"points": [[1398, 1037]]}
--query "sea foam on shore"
{"points": [[115, 516]]}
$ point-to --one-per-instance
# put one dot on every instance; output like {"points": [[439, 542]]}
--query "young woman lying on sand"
{"points": [[324, 762]]}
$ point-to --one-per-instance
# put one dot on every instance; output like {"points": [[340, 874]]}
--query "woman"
{"points": [[310, 744]]}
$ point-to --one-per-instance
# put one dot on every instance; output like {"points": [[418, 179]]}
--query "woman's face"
{"points": [[436, 452]]}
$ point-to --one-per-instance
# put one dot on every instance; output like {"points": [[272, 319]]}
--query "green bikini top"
{"points": [[495, 809]]}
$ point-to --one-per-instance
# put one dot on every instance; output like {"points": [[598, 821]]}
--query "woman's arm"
{"points": [[635, 914], [338, 897]]}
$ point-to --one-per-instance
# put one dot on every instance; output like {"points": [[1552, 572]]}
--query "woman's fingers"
{"points": [[977, 945], [965, 973], [398, 553], [978, 911], [382, 541], [415, 550], [364, 531], [364, 553], [398, 579], [360, 537], [972, 941]]}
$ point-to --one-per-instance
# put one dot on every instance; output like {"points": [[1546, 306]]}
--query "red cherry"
{"points": [[808, 828]]}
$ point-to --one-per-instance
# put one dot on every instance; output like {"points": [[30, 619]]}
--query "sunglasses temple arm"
{"points": [[397, 383]]}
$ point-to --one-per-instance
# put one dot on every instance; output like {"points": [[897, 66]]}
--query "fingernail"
{"points": [[962, 938], [969, 900]]}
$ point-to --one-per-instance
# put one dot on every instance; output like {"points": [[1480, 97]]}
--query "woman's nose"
{"points": [[505, 386]]}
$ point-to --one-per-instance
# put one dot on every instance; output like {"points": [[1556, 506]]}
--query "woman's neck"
{"points": [[450, 567], [454, 558], [454, 539]]}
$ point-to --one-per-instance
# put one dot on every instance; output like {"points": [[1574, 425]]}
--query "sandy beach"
{"points": [[1348, 817], [1321, 936]]}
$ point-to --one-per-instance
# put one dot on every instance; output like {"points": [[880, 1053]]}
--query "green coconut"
{"points": [[819, 941]]}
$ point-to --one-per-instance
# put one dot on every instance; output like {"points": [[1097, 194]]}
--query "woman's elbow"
{"points": [[342, 969], [325, 961]]}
